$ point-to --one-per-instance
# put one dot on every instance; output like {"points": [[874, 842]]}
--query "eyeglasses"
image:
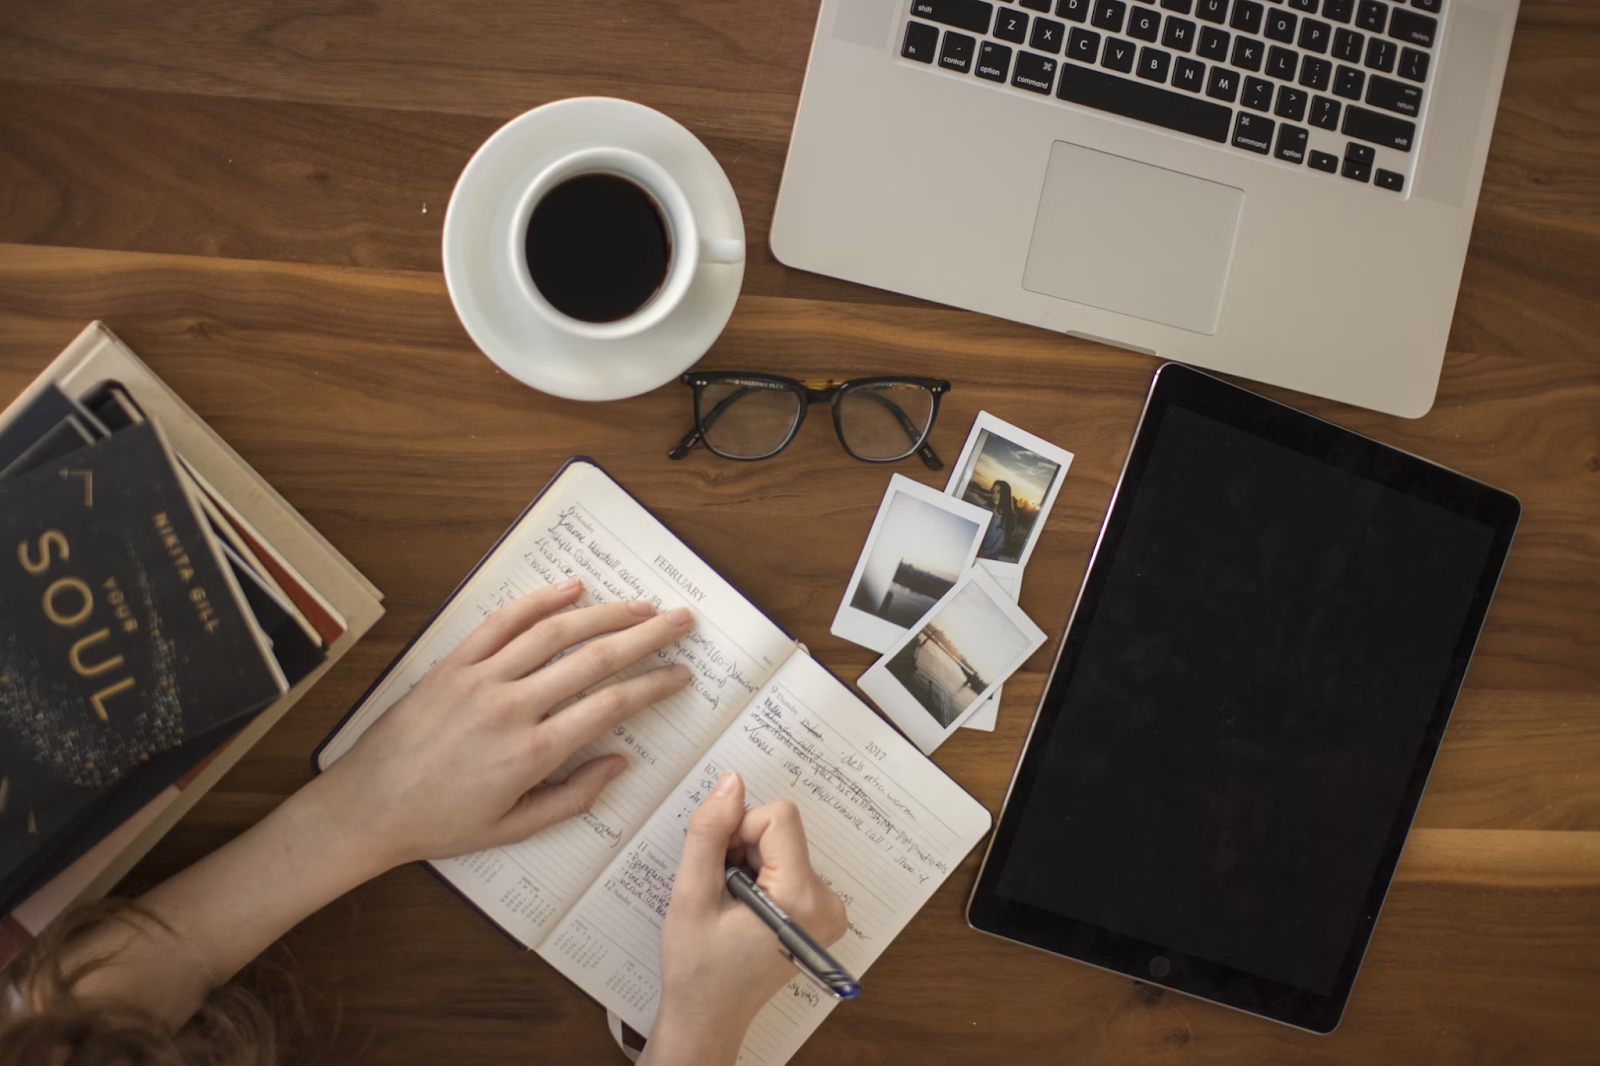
{"points": [[755, 416]]}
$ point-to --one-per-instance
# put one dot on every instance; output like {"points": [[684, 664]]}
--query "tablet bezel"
{"points": [[1181, 386]]}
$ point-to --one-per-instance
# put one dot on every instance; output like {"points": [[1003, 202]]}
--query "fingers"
{"points": [[599, 711], [548, 804], [698, 884], [505, 624], [773, 835], [600, 659], [555, 633]]}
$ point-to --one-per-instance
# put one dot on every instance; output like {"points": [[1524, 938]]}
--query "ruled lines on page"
{"points": [[587, 527], [884, 825]]}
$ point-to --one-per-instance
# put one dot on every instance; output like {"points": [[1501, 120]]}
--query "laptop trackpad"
{"points": [[1133, 238]]}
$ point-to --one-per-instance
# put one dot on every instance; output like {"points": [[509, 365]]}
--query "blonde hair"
{"points": [[258, 1019]]}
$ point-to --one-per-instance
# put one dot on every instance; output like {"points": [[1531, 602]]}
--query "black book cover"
{"points": [[121, 632]]}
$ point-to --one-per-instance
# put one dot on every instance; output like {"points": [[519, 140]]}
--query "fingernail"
{"points": [[642, 608], [569, 584], [725, 783], [678, 616], [680, 672]]}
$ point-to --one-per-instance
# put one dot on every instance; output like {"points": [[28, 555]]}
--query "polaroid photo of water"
{"points": [[947, 664], [920, 544]]}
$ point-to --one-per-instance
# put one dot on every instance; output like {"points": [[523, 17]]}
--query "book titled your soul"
{"points": [[121, 629]]}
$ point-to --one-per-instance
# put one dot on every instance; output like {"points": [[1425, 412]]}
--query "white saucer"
{"points": [[491, 304]]}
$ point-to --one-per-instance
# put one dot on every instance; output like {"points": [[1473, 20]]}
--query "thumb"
{"points": [[705, 847], [544, 806]]}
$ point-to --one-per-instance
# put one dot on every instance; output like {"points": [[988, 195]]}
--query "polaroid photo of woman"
{"points": [[1015, 476]]}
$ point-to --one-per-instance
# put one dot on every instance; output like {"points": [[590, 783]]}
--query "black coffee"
{"points": [[597, 247]]}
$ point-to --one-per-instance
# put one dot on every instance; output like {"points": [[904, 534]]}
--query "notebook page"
{"points": [[885, 828], [586, 526]]}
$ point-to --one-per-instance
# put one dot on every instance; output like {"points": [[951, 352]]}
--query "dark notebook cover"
{"points": [[120, 632]]}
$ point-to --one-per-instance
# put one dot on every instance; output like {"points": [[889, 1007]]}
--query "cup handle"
{"points": [[724, 251]]}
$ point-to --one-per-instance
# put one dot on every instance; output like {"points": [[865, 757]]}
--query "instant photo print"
{"points": [[944, 667], [1014, 476], [920, 544]]}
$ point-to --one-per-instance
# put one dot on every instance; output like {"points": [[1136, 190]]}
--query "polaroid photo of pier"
{"points": [[920, 544], [946, 666], [1014, 476]]}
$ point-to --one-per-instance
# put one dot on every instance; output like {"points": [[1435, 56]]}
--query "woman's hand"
{"points": [[457, 765], [719, 962]]}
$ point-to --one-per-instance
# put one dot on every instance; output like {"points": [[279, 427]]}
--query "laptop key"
{"points": [[1047, 35], [1011, 26], [971, 15], [1356, 170], [1388, 179], [1326, 161], [920, 43], [1179, 34], [1347, 45], [1308, 6], [1324, 113], [1154, 64], [1144, 24], [1041, 6], [1083, 45], [1413, 65], [1378, 128], [1372, 15], [1247, 16], [1247, 53], [1349, 83], [994, 60], [1380, 54], [1282, 62], [1223, 84], [1189, 75], [1257, 94], [1394, 95], [1118, 55], [1291, 103], [1281, 25], [1182, 7], [1034, 72], [1412, 28], [1338, 10], [1315, 72], [1213, 43], [957, 51], [1430, 6], [1144, 102], [1292, 143], [1314, 36], [1075, 10], [1361, 153], [1108, 15], [1253, 132], [1212, 10]]}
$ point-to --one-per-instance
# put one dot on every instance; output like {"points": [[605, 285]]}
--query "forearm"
{"points": [[227, 908], [681, 1039]]}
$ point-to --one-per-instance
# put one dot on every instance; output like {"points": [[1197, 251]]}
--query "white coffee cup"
{"points": [[687, 248]]}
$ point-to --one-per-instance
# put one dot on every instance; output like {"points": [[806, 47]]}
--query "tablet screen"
{"points": [[1246, 702]]}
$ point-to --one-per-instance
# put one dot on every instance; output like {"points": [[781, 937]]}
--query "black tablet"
{"points": [[1242, 715]]}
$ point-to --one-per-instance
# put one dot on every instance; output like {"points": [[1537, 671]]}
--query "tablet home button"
{"points": [[1159, 966]]}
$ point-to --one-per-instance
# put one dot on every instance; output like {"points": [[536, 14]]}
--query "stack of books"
{"points": [[161, 607]]}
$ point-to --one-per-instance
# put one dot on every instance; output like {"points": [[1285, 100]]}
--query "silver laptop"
{"points": [[1281, 190]]}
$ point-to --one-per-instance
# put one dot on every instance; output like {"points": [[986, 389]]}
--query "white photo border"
{"points": [[999, 427]]}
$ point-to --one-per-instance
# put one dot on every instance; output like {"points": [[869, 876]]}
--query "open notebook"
{"points": [[885, 825]]}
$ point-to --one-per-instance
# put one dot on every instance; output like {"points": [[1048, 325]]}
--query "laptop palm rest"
{"points": [[1136, 239]]}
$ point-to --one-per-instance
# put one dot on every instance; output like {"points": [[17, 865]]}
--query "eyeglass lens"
{"points": [[746, 422], [885, 421]]}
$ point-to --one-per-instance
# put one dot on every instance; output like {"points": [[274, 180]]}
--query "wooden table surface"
{"points": [[250, 192]]}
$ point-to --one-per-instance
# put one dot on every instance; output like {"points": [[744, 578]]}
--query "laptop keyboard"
{"points": [[1332, 85]]}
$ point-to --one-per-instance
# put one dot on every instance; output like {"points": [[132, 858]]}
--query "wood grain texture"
{"points": [[238, 189]]}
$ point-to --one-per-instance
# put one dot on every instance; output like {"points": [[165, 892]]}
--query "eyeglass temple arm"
{"points": [[930, 458], [696, 436]]}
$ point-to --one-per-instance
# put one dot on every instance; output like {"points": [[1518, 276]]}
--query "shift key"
{"points": [[967, 14], [1377, 128]]}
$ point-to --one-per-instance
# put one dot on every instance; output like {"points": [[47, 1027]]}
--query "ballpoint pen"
{"points": [[796, 943]]}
